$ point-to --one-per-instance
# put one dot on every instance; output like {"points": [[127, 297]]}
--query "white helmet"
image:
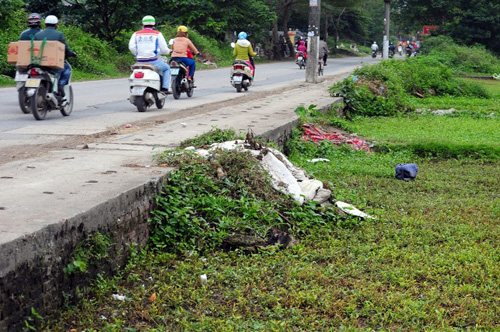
{"points": [[51, 19], [374, 42]]}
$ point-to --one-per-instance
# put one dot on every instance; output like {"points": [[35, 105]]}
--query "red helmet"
{"points": [[34, 19]]}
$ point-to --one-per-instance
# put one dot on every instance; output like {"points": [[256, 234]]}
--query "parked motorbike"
{"points": [[241, 75], [24, 100], [301, 60], [42, 88], [179, 82], [145, 87]]}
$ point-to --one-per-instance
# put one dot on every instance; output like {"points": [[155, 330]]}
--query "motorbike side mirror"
{"points": [[171, 42], [233, 45]]}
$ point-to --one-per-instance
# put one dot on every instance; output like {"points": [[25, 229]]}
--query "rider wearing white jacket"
{"points": [[147, 44]]}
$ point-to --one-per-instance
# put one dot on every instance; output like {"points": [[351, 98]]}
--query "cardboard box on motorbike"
{"points": [[53, 53], [12, 51]]}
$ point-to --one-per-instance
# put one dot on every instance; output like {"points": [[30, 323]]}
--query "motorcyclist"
{"points": [[374, 47], [34, 23], [180, 51], [147, 44], [51, 33], [302, 48], [409, 48], [243, 51], [392, 48]]}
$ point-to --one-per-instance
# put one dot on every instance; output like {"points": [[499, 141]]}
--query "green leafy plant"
{"points": [[90, 251]]}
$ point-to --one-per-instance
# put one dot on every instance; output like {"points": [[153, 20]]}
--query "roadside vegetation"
{"points": [[429, 261]]}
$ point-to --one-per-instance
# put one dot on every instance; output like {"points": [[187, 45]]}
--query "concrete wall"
{"points": [[33, 273]]}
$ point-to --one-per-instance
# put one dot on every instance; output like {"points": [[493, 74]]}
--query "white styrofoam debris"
{"points": [[310, 188], [322, 195], [118, 297], [317, 160], [281, 177], [349, 209]]}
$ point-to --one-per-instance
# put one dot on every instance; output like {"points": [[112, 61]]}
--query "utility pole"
{"points": [[385, 50], [313, 41]]}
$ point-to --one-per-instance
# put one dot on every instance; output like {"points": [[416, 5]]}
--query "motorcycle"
{"points": [[42, 89], [145, 87], [374, 54], [301, 60], [24, 100], [179, 82], [241, 75], [391, 53]]}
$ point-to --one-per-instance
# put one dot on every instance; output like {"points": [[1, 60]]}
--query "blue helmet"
{"points": [[242, 35]]}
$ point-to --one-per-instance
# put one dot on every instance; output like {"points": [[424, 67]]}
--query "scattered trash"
{"points": [[183, 124], [203, 279], [282, 238], [317, 160], [128, 125], [312, 133], [85, 146], [152, 298], [118, 297], [349, 209], [406, 172]]}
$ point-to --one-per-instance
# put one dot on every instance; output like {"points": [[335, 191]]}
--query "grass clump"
{"points": [[215, 135], [464, 60], [392, 87]]}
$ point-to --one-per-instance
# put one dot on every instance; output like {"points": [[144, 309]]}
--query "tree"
{"points": [[467, 21]]}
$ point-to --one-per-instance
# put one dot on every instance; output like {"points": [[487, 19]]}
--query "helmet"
{"points": [[242, 35], [148, 20], [51, 19], [374, 42], [182, 28], [34, 19]]}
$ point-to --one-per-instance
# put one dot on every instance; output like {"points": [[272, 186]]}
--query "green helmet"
{"points": [[148, 20]]}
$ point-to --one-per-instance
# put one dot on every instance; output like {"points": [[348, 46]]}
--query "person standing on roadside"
{"points": [[323, 51]]}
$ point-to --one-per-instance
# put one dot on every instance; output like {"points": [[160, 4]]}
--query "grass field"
{"points": [[429, 262]]}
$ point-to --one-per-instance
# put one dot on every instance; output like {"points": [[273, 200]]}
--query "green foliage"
{"points": [[14, 18], [461, 59], [215, 135], [89, 252], [388, 88], [467, 22], [307, 113], [95, 57]]}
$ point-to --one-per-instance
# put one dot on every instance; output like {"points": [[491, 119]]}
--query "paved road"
{"points": [[100, 105]]}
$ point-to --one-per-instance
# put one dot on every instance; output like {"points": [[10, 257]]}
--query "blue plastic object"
{"points": [[406, 172]]}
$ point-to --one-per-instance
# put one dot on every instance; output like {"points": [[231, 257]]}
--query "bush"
{"points": [[462, 59], [388, 88], [95, 56]]}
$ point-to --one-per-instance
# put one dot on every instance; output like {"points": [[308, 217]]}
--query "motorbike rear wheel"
{"points": [[159, 102], [176, 88], [68, 108], [141, 104], [39, 105], [24, 101], [238, 87], [190, 91]]}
